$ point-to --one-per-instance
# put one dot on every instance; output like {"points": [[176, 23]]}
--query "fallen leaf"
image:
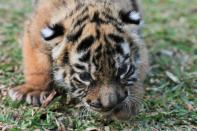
{"points": [[107, 128], [172, 77], [92, 129]]}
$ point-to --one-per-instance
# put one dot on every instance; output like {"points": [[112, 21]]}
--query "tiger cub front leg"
{"points": [[37, 71]]}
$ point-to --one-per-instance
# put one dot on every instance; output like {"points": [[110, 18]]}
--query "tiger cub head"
{"points": [[94, 59]]}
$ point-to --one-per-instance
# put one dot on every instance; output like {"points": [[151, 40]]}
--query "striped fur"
{"points": [[95, 52]]}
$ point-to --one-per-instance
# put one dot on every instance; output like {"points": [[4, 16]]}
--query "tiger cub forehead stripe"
{"points": [[111, 19], [98, 33], [116, 38], [85, 43], [74, 36], [80, 21], [97, 19]]}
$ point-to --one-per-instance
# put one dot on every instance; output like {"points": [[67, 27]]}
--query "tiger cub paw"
{"points": [[23, 92]]}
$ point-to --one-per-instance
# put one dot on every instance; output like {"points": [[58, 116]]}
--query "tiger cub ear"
{"points": [[130, 17], [49, 33]]}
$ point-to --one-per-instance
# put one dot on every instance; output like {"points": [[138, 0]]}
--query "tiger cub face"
{"points": [[94, 59]]}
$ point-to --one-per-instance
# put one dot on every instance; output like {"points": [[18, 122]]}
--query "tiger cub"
{"points": [[91, 48]]}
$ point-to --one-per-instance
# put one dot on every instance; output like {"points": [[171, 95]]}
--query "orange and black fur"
{"points": [[91, 48]]}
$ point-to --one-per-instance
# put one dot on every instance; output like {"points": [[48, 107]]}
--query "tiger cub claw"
{"points": [[36, 98]]}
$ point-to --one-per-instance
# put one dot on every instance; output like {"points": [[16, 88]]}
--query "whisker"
{"points": [[136, 97], [141, 101], [137, 102]]}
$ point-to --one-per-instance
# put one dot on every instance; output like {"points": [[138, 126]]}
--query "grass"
{"points": [[170, 102]]}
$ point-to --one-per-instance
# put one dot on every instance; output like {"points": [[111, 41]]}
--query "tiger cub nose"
{"points": [[109, 101], [106, 102]]}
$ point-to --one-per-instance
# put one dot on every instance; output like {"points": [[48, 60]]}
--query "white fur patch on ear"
{"points": [[47, 32], [51, 32], [133, 15]]}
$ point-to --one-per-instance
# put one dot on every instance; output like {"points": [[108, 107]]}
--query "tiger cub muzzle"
{"points": [[108, 98], [115, 97]]}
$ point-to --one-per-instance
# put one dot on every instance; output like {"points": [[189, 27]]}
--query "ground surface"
{"points": [[170, 101]]}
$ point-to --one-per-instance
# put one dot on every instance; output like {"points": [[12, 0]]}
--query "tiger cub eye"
{"points": [[85, 76], [122, 70]]}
